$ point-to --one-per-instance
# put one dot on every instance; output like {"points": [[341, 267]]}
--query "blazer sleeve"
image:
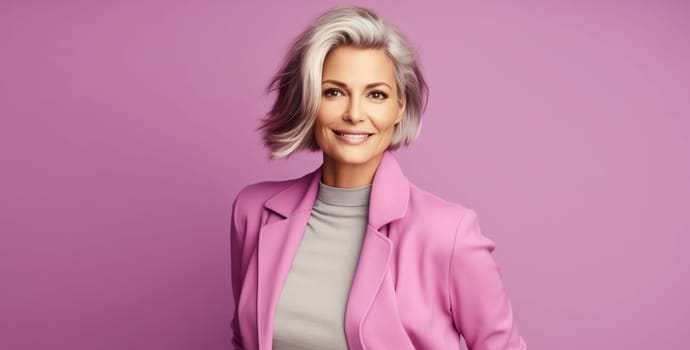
{"points": [[236, 242], [480, 307]]}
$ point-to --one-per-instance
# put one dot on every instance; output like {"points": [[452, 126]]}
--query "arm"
{"points": [[236, 242], [479, 304]]}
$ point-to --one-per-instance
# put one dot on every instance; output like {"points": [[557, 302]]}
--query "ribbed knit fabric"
{"points": [[311, 309]]}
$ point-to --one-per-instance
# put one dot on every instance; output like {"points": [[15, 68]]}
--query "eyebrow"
{"points": [[343, 85]]}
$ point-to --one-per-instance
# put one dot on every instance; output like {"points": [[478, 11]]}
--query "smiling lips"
{"points": [[352, 137]]}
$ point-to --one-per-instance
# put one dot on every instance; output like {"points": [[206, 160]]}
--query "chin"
{"points": [[354, 156], [359, 159]]}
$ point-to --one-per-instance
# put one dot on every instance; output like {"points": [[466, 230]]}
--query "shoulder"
{"points": [[450, 224], [253, 196], [434, 209]]}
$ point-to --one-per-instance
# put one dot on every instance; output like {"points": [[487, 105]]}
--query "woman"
{"points": [[353, 255]]}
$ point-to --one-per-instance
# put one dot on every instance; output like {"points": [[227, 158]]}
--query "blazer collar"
{"points": [[388, 199]]}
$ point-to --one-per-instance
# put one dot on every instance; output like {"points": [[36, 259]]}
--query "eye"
{"points": [[331, 92], [379, 95]]}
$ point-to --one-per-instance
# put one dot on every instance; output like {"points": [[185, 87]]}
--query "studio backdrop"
{"points": [[128, 127]]}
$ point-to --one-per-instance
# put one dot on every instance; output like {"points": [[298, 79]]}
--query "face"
{"points": [[359, 105]]}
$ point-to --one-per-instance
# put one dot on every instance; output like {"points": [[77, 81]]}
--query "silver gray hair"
{"points": [[289, 126]]}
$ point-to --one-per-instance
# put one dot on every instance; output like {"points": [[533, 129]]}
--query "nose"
{"points": [[354, 113]]}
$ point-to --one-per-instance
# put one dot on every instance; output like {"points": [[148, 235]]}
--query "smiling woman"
{"points": [[353, 255], [356, 118]]}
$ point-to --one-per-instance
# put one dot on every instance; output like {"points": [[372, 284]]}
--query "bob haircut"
{"points": [[289, 126]]}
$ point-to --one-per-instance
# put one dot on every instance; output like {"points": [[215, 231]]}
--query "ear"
{"points": [[401, 113]]}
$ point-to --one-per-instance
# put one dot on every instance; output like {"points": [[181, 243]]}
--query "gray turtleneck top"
{"points": [[311, 309]]}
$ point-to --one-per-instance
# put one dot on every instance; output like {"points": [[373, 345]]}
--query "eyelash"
{"points": [[383, 94]]}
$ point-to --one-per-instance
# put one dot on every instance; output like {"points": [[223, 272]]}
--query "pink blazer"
{"points": [[425, 275]]}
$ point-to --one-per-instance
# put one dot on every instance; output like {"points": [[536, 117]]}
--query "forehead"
{"points": [[355, 65]]}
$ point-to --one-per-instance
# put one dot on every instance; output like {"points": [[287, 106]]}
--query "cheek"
{"points": [[322, 126], [321, 120], [328, 112], [386, 118]]}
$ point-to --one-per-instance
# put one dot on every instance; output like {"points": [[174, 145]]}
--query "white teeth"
{"points": [[355, 137]]}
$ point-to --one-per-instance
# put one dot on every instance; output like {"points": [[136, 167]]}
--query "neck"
{"points": [[347, 175]]}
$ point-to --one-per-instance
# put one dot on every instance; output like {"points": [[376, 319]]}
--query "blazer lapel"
{"points": [[278, 243], [387, 202]]}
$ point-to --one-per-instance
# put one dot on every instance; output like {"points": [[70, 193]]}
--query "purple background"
{"points": [[127, 128]]}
